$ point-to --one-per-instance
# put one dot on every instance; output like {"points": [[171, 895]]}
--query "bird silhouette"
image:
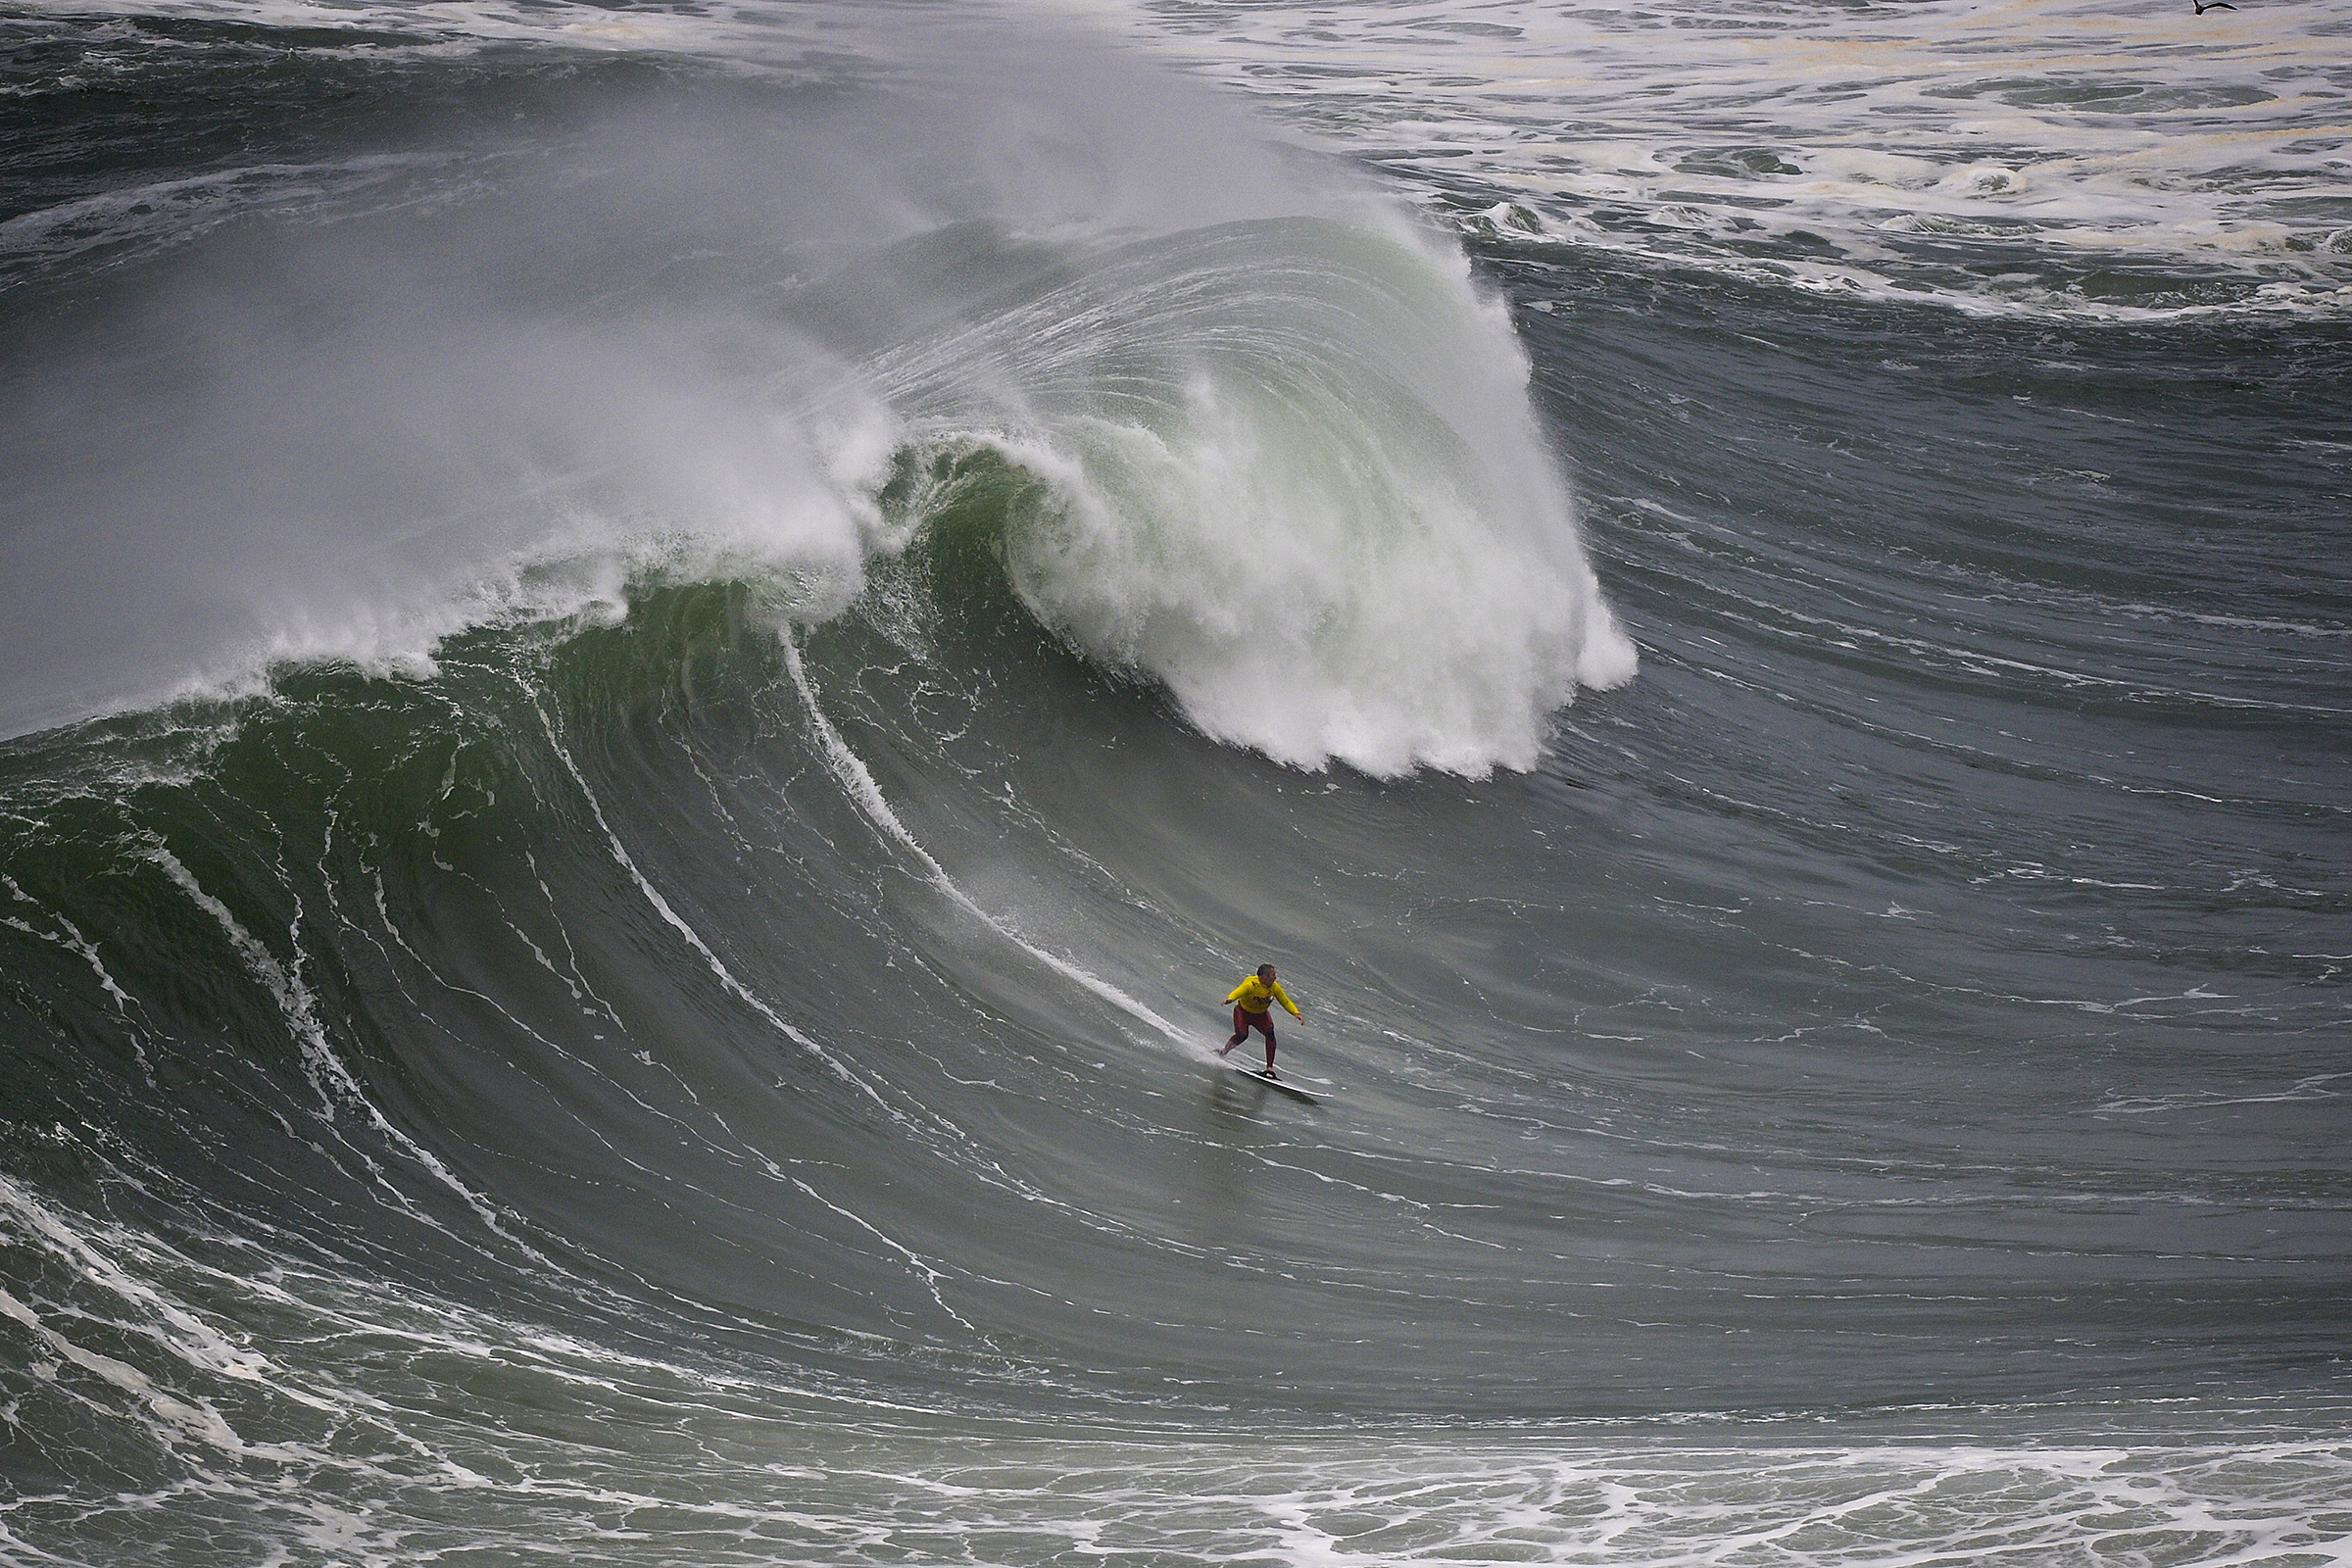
{"points": [[2204, 6]]}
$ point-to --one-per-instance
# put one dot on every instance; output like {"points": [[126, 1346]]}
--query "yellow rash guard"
{"points": [[1253, 993]]}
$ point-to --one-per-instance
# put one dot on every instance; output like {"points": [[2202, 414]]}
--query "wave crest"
{"points": [[1293, 469]]}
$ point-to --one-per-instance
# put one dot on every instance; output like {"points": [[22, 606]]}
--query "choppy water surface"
{"points": [[659, 663]]}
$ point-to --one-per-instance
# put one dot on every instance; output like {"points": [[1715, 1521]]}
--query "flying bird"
{"points": [[2204, 6]]}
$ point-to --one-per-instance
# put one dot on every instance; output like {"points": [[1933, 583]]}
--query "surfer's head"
{"points": [[1265, 972]]}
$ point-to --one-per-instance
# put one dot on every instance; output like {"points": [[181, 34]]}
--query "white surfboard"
{"points": [[1284, 1085]]}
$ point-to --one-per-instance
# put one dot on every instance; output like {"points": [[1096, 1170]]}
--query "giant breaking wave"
{"points": [[1282, 457]]}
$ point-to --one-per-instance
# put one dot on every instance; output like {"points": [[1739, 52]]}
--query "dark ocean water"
{"points": [[659, 663]]}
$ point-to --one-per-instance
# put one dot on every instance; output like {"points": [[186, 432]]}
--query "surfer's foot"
{"points": [[1270, 1072], [1224, 1051]]}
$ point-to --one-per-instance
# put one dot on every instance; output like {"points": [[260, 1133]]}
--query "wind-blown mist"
{"points": [[1285, 461]]}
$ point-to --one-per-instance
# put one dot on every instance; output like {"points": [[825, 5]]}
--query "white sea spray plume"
{"points": [[1298, 480]]}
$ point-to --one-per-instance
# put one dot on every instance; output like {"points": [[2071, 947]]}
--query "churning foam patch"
{"points": [[1304, 623], [1309, 496], [1879, 152]]}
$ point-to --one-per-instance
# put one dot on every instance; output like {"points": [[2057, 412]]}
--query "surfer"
{"points": [[1252, 1010]]}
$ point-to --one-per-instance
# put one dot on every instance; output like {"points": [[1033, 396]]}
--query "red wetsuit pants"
{"points": [[1244, 1021]]}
